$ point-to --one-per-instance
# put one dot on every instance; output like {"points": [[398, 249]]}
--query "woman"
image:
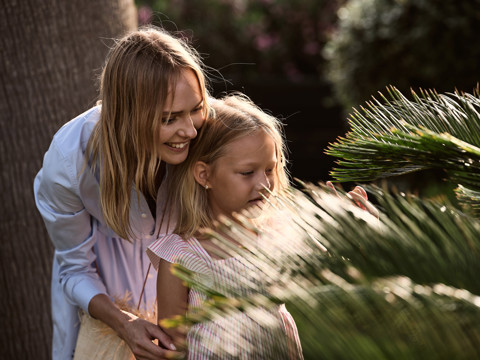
{"points": [[101, 187]]}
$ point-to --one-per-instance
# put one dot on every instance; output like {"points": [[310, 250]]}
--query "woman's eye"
{"points": [[166, 121], [268, 171], [198, 109], [246, 173]]}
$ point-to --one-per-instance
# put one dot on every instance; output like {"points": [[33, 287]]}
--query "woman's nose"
{"points": [[188, 129]]}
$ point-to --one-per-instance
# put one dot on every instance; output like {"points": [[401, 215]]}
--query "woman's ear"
{"points": [[201, 173]]}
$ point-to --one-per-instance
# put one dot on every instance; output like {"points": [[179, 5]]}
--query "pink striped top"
{"points": [[257, 333]]}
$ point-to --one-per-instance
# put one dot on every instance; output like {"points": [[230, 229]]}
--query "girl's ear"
{"points": [[201, 173]]}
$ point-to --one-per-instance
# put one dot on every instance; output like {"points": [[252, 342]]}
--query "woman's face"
{"points": [[182, 117]]}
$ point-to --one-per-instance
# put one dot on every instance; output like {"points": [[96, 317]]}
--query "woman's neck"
{"points": [[152, 198]]}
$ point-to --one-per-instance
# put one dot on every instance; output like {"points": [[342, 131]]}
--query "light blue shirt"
{"points": [[67, 197]]}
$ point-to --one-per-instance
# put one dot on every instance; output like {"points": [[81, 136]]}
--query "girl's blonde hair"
{"points": [[138, 74], [232, 117]]}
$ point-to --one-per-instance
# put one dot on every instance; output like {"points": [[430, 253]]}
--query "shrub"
{"points": [[250, 37], [405, 43]]}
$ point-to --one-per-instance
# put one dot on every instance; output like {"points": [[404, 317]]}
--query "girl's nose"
{"points": [[264, 182]]}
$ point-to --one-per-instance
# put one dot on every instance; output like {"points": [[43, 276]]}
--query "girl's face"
{"points": [[237, 179], [181, 119]]}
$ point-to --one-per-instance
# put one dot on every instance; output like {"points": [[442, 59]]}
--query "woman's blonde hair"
{"points": [[138, 74], [232, 117]]}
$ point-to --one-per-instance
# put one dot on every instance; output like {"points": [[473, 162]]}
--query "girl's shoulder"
{"points": [[174, 249], [168, 244]]}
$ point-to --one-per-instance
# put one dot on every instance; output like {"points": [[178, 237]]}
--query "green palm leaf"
{"points": [[399, 136], [403, 287]]}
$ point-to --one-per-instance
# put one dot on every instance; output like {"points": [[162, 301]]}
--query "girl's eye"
{"points": [[268, 171], [200, 108], [246, 173]]}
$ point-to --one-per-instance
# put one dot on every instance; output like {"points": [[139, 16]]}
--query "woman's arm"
{"points": [[70, 228], [172, 299], [69, 225]]}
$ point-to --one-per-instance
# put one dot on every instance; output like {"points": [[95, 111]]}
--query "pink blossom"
{"points": [[145, 15], [311, 48], [265, 41], [292, 72]]}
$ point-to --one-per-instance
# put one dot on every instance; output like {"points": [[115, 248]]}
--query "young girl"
{"points": [[238, 158], [100, 188]]}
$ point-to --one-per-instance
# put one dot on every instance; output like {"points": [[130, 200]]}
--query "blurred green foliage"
{"points": [[403, 286], [405, 43], [249, 38]]}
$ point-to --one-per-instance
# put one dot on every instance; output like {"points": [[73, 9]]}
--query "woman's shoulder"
{"points": [[64, 160], [76, 132]]}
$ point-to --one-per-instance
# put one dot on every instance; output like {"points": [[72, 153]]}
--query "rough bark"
{"points": [[51, 54]]}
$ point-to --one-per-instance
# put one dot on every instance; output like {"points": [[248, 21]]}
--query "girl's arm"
{"points": [[359, 195], [172, 299]]}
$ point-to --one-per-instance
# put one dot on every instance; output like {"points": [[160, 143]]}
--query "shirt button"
{"points": [[143, 215]]}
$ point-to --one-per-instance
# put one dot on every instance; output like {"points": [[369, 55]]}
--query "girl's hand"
{"points": [[359, 196]]}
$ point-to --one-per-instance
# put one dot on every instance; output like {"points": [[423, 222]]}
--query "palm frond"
{"points": [[469, 199], [402, 287], [399, 136], [388, 319], [428, 242]]}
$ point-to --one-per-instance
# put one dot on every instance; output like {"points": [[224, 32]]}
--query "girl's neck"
{"points": [[218, 251]]}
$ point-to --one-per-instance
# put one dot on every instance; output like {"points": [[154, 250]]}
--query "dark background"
{"points": [[305, 61], [271, 51], [309, 124], [310, 62]]}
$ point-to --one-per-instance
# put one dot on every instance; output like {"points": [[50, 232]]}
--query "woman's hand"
{"points": [[359, 196], [136, 332], [139, 334]]}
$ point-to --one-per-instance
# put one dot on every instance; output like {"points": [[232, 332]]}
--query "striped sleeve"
{"points": [[294, 344], [174, 249]]}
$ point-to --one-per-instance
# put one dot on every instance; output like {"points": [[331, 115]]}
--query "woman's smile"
{"points": [[179, 146]]}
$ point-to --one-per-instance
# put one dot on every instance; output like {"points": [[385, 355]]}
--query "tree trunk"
{"points": [[51, 54]]}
